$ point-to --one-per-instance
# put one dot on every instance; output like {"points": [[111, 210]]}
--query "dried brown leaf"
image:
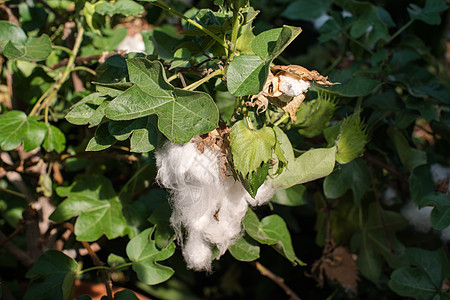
{"points": [[341, 267]]}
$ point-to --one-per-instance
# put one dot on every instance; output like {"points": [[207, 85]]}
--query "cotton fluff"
{"points": [[133, 43], [418, 218], [292, 86], [207, 208], [389, 196]]}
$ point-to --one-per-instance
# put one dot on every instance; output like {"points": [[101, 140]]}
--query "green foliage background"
{"points": [[79, 122]]}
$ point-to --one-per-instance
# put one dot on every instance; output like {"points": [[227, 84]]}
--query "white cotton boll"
{"points": [[292, 86], [264, 194], [225, 225], [209, 207], [389, 195], [445, 234], [418, 218], [439, 172], [197, 252], [133, 43], [318, 22]]}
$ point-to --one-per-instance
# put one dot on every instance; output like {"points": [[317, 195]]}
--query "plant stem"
{"points": [[235, 28], [95, 268], [81, 68], [337, 60], [198, 83], [67, 50], [358, 43], [249, 121], [400, 30], [281, 120], [277, 279], [97, 262], [53, 90], [13, 193], [138, 172], [160, 4], [380, 212]]}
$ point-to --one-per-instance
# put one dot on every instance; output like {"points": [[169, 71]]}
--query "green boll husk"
{"points": [[351, 140], [314, 116]]}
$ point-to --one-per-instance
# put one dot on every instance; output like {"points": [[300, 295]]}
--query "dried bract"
{"points": [[286, 87]]}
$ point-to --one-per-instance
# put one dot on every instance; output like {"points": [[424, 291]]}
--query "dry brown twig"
{"points": [[96, 260], [277, 279]]}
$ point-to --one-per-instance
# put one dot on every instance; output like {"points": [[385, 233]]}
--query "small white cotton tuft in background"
{"points": [[208, 207], [418, 218], [133, 43], [292, 86], [445, 234], [388, 196], [439, 172]]}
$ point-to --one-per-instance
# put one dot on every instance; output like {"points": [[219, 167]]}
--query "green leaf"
{"points": [[144, 255], [95, 203], [440, 215], [101, 140], [423, 279], [247, 75], [293, 196], [307, 10], [421, 183], [11, 32], [16, 127], [370, 20], [115, 260], [355, 87], [429, 13], [143, 132], [82, 112], [250, 148], [311, 165], [354, 176], [35, 49], [124, 7], [54, 274], [54, 139], [410, 157], [255, 179], [271, 43], [181, 113], [125, 295], [373, 242], [245, 249], [272, 230]]}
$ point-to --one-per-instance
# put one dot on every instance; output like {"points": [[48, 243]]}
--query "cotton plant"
{"points": [[218, 168], [215, 169]]}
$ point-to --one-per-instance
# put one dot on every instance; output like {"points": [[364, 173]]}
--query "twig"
{"points": [[16, 232], [127, 157], [380, 212], [97, 262], [277, 279], [18, 253], [82, 59], [369, 158], [11, 17]]}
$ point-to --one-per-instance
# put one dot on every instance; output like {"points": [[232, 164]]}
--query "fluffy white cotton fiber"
{"points": [[292, 86], [418, 218], [207, 205]]}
